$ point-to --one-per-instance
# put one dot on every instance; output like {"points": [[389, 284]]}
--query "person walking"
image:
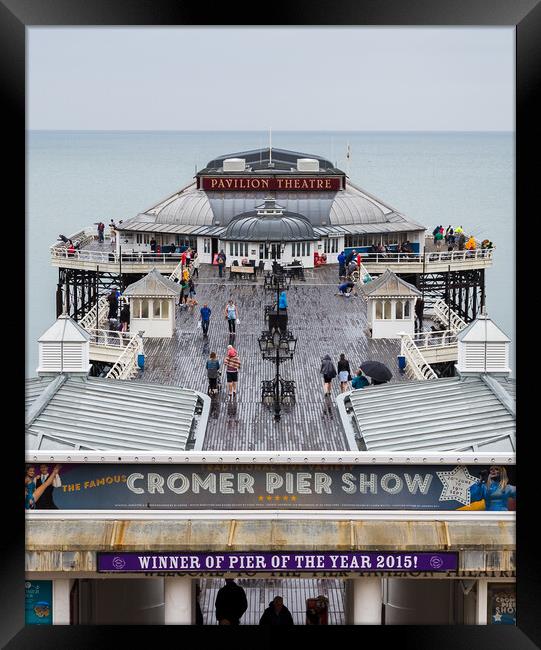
{"points": [[191, 288], [231, 603], [213, 367], [221, 259], [195, 265], [282, 301], [329, 373], [232, 365], [276, 613], [341, 264], [231, 315], [205, 318], [344, 373], [183, 297]]}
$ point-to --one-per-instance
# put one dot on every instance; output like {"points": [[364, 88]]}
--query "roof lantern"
{"points": [[234, 164], [483, 348], [307, 165], [64, 348]]}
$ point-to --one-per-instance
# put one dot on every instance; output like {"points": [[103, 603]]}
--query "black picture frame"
{"points": [[16, 15]]}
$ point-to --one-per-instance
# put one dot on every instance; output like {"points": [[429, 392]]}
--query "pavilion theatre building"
{"points": [[269, 203]]}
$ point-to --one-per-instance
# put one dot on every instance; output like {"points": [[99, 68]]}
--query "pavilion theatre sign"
{"points": [[263, 487], [259, 184]]}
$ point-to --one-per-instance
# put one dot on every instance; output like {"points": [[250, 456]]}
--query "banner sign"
{"points": [[38, 602], [265, 562], [259, 184], [263, 487], [503, 605]]}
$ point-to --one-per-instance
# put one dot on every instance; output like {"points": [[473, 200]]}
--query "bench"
{"points": [[243, 271]]}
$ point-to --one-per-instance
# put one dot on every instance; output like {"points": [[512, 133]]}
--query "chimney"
{"points": [[64, 349], [483, 349]]}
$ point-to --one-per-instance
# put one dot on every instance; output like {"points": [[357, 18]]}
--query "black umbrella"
{"points": [[376, 371]]}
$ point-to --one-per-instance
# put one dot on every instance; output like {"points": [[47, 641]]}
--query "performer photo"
{"points": [[492, 491], [34, 492]]}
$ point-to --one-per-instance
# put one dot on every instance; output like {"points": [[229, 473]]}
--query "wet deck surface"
{"points": [[323, 323]]}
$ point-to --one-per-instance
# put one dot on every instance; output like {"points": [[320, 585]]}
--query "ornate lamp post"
{"points": [[277, 345]]}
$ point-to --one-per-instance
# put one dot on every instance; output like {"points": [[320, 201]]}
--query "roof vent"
{"points": [[64, 348], [307, 165], [234, 164], [483, 349]]}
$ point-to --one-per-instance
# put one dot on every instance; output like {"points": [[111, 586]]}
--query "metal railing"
{"points": [[436, 339], [126, 364], [428, 257], [445, 315], [89, 321], [81, 237], [417, 366], [110, 338], [176, 275], [111, 257]]}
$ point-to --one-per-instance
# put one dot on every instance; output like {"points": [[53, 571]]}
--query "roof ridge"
{"points": [[41, 402]]}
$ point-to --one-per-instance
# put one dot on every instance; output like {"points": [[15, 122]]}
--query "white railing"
{"points": [[89, 320], [416, 365], [437, 339], [446, 316], [428, 257], [110, 338], [82, 238], [111, 257], [177, 272], [126, 364]]}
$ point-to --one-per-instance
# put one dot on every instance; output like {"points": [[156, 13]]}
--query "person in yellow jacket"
{"points": [[470, 244]]}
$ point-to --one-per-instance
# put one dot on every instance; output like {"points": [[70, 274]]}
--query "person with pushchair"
{"points": [[213, 372]]}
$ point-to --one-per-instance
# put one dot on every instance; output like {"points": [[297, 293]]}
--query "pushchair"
{"points": [[218, 385]]}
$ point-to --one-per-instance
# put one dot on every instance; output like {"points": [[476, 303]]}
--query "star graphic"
{"points": [[293, 498], [456, 485], [277, 498], [286, 497], [260, 498], [269, 498], [497, 618]]}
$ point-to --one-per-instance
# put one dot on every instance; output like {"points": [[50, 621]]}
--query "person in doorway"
{"points": [[341, 264], [232, 365], [231, 315], [213, 368], [231, 603], [205, 312], [125, 318], [46, 501], [221, 259], [113, 304], [329, 373], [360, 380], [195, 265], [344, 373], [276, 613]]}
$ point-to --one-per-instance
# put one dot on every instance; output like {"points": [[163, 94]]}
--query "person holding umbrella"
{"points": [[378, 372]]}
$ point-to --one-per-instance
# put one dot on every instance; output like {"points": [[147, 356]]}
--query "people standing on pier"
{"points": [[351, 255], [461, 240], [276, 613], [329, 373], [221, 259], [183, 297], [231, 603], [101, 228], [125, 318], [471, 244], [231, 315], [352, 267], [419, 308], [438, 237], [191, 288], [344, 373], [195, 265], [232, 365], [341, 264], [112, 233], [152, 245], [205, 312], [213, 367]]}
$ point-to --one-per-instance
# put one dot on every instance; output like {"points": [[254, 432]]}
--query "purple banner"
{"points": [[264, 562]]}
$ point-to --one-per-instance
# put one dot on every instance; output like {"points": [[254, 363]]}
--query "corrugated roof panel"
{"points": [[443, 414]]}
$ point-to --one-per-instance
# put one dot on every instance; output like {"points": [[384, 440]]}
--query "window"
{"points": [[165, 308], [268, 251], [206, 245], [387, 239], [330, 245], [379, 310], [387, 309], [399, 309], [144, 308], [383, 309], [300, 249], [238, 249], [156, 312], [407, 309], [142, 238]]}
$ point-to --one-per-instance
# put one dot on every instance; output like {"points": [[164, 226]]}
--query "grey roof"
{"points": [[153, 284], [442, 414], [283, 160], [280, 227], [388, 284], [101, 414], [509, 385]]}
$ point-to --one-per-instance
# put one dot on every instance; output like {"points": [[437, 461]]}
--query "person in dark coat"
{"points": [[419, 308], [276, 613], [230, 603], [329, 373], [341, 264], [46, 501], [125, 318], [113, 304]]}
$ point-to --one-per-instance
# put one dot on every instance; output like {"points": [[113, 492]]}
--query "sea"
{"points": [[76, 178]]}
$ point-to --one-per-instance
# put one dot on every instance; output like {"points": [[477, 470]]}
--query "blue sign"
{"points": [[38, 598]]}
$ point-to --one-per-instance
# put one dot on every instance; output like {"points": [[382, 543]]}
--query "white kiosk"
{"points": [[390, 306], [152, 305]]}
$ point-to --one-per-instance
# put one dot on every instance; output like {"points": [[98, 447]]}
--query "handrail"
{"points": [[110, 338], [126, 363], [436, 339], [416, 363], [177, 272], [447, 316], [89, 320], [428, 256]]}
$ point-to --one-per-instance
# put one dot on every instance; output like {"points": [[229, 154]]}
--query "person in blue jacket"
{"points": [[282, 301], [494, 488], [341, 264]]}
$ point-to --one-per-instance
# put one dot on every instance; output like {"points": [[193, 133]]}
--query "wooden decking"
{"points": [[323, 323]]}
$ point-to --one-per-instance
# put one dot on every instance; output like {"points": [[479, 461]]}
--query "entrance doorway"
{"points": [[214, 247]]}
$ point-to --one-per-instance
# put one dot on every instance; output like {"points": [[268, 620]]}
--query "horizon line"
{"points": [[274, 130]]}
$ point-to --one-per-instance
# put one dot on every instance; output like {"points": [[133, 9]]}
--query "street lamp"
{"points": [[277, 345]]}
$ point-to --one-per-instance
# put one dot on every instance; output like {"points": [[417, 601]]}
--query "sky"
{"points": [[351, 79]]}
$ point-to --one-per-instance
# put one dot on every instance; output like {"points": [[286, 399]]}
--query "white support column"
{"points": [[61, 601], [367, 601], [179, 601], [481, 605]]}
